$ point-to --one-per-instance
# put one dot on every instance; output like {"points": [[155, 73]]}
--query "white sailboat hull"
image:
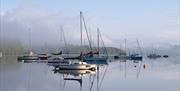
{"points": [[77, 67]]}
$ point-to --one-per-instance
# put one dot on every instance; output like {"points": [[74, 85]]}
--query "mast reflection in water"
{"points": [[126, 75]]}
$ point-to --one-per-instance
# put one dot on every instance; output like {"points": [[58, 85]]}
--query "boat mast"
{"points": [[125, 50], [98, 40], [87, 33], [81, 30], [103, 43], [0, 44], [64, 39], [90, 39], [82, 22], [30, 49], [139, 46], [61, 38]]}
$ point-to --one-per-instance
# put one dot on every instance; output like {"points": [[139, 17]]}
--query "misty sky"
{"points": [[153, 22]]}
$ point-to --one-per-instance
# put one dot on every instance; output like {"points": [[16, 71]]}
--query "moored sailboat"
{"points": [[137, 56], [30, 55], [91, 57]]}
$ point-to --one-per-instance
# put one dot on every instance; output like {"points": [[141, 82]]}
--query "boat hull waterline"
{"points": [[77, 67]]}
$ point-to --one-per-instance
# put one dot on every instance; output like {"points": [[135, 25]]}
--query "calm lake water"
{"points": [[147, 75]]}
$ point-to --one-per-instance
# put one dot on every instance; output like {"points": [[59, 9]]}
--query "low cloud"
{"points": [[45, 28]]}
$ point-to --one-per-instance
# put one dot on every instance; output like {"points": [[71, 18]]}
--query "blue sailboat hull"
{"points": [[95, 60]]}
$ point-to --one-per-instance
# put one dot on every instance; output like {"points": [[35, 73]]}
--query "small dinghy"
{"points": [[153, 56], [165, 56]]}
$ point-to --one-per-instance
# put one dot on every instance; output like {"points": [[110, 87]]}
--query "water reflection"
{"points": [[79, 75], [75, 72], [131, 64], [74, 75], [125, 75]]}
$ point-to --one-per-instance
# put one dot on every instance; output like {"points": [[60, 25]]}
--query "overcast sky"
{"points": [[151, 21]]}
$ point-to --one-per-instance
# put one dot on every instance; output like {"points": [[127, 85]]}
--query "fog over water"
{"points": [[45, 27]]}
